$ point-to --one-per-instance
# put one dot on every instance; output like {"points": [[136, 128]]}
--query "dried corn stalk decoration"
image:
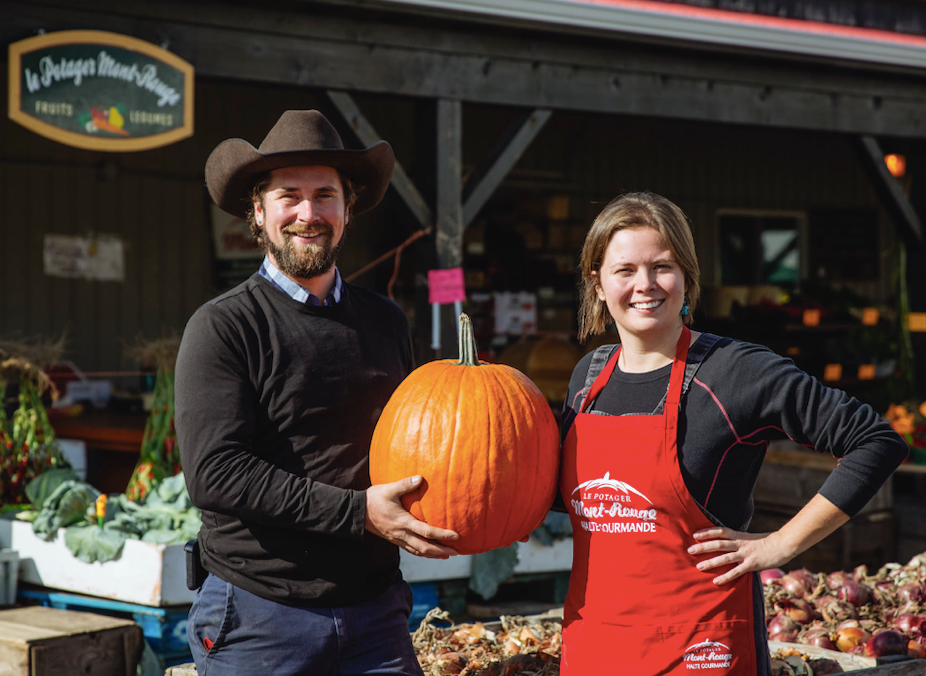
{"points": [[27, 440], [160, 456]]}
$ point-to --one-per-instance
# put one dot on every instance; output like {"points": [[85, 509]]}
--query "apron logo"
{"points": [[613, 500], [708, 655]]}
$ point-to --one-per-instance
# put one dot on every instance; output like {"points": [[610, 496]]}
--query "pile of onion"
{"points": [[854, 612]]}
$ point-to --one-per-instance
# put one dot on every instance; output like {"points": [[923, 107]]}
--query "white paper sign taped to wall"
{"points": [[101, 257]]}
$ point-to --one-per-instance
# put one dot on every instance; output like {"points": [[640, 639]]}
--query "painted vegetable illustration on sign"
{"points": [[485, 442]]}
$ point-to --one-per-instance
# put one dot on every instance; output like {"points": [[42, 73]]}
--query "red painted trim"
{"points": [[760, 21]]}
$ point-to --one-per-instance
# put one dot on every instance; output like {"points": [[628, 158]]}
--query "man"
{"points": [[279, 384]]}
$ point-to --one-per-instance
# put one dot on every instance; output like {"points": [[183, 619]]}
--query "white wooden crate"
{"points": [[144, 573], [155, 575], [533, 556]]}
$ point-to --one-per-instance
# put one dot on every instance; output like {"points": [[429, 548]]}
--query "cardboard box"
{"points": [[40, 641]]}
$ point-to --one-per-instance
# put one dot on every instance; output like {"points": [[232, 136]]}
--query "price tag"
{"points": [[446, 286], [916, 322], [866, 371], [870, 316], [811, 317], [832, 372]]}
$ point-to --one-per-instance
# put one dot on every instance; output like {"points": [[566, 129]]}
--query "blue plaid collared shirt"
{"points": [[272, 274]]}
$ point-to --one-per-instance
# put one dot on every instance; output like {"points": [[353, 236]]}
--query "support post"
{"points": [[480, 186], [891, 193], [368, 136], [449, 183]]}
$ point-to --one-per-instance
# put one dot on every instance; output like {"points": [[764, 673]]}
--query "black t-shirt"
{"points": [[276, 402]]}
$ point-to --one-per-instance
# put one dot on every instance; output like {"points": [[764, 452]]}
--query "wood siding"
{"points": [[155, 201]]}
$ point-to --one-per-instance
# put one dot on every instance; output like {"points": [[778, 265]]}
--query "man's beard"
{"points": [[304, 262]]}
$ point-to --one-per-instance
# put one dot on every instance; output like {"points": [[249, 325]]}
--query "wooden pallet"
{"points": [[38, 641]]}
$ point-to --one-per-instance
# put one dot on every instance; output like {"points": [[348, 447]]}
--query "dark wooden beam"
{"points": [[481, 185], [406, 56], [368, 136], [449, 183], [891, 193]]}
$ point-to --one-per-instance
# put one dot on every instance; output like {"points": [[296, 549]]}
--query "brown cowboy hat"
{"points": [[300, 137]]}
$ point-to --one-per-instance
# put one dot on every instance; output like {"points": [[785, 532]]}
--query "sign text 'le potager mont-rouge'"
{"points": [[100, 91]]}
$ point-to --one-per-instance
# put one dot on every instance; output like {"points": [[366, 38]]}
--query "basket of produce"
{"points": [[510, 647], [880, 615]]}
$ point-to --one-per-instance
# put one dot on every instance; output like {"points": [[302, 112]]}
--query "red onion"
{"points": [[850, 638], [824, 667], [817, 636], [912, 591], [909, 623], [845, 624], [770, 574], [837, 579], [834, 610], [799, 610], [853, 592], [783, 624], [806, 575], [796, 584], [886, 642], [823, 642], [916, 650]]}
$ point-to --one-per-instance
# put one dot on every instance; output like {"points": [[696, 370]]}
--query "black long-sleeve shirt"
{"points": [[742, 397], [276, 402]]}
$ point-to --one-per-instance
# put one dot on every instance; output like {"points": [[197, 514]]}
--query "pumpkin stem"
{"points": [[467, 342]]}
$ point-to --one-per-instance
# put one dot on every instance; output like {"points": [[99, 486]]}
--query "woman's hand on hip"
{"points": [[746, 552]]}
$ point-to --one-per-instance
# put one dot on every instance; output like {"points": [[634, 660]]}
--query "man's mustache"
{"points": [[321, 228]]}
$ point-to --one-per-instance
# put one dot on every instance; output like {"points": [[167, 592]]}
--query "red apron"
{"points": [[637, 606]]}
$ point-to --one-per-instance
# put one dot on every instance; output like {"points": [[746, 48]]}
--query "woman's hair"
{"points": [[634, 210]]}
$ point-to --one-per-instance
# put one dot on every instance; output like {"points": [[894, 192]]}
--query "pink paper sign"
{"points": [[446, 286]]}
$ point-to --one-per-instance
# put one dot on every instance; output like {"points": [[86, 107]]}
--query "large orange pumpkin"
{"points": [[485, 442]]}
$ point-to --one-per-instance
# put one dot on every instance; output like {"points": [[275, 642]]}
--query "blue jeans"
{"points": [[235, 633]]}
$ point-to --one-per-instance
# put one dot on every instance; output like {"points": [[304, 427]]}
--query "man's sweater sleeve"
{"points": [[216, 404], [826, 419]]}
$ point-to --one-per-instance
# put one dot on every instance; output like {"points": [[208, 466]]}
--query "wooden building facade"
{"points": [[514, 124]]}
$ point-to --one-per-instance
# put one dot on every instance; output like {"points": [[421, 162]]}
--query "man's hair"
{"points": [[634, 210], [351, 193]]}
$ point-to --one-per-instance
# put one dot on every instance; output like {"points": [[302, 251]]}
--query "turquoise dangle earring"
{"points": [[685, 309]]}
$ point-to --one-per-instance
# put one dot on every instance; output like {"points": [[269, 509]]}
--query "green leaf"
{"points": [[45, 484], [90, 543], [164, 536], [492, 568], [67, 505]]}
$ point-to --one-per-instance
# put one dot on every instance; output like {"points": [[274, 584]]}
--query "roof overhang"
{"points": [[717, 27]]}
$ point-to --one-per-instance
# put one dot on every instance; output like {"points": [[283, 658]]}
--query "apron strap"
{"points": [[696, 355]]}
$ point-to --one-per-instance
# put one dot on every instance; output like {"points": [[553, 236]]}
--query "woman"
{"points": [[663, 439]]}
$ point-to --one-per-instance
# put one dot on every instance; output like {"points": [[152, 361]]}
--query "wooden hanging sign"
{"points": [[100, 91]]}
